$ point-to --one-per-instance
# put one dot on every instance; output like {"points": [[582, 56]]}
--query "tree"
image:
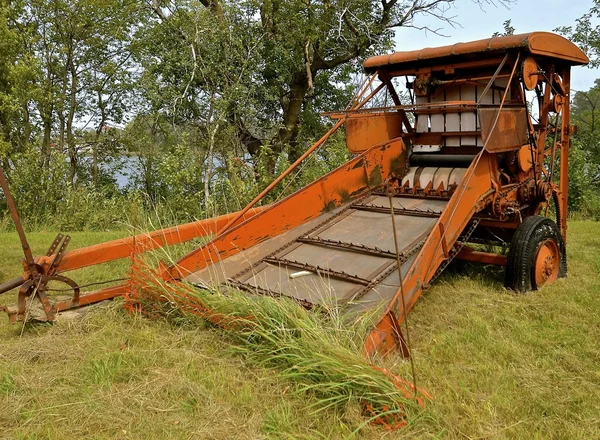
{"points": [[584, 163], [586, 34], [16, 73], [584, 166], [271, 64], [79, 68]]}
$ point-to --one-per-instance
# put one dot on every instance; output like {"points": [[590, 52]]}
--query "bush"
{"points": [[584, 190], [46, 199]]}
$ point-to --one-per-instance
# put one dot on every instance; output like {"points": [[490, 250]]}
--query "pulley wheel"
{"points": [[530, 73], [557, 103]]}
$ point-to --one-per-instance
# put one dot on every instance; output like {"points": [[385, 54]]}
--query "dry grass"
{"points": [[499, 365], [116, 376]]}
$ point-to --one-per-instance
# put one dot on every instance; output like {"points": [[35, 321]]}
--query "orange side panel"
{"points": [[368, 129], [469, 254], [361, 174]]}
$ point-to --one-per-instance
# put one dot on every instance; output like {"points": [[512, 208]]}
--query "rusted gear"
{"points": [[38, 272], [37, 286]]}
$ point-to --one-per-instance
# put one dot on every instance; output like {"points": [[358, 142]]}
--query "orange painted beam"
{"points": [[92, 297], [468, 254], [84, 300], [124, 247], [564, 153]]}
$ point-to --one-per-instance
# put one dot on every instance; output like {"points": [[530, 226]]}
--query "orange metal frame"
{"points": [[481, 188]]}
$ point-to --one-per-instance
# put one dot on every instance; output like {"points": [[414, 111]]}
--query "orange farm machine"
{"points": [[473, 151]]}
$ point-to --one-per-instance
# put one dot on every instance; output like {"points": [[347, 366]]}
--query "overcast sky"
{"points": [[526, 16]]}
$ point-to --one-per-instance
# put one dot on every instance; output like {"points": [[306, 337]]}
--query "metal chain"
{"points": [[516, 186]]}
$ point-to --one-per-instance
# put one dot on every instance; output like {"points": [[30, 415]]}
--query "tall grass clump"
{"points": [[320, 353]]}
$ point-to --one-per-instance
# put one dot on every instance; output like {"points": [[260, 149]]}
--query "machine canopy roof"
{"points": [[536, 43]]}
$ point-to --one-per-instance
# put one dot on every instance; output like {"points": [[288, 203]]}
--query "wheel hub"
{"points": [[546, 263]]}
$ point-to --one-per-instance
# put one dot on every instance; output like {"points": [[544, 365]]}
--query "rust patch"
{"points": [[345, 196], [375, 178], [356, 193], [328, 207], [398, 165], [359, 163]]}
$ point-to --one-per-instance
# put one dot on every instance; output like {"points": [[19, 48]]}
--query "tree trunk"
{"points": [[47, 123], [292, 110], [95, 162], [61, 113], [73, 159], [103, 118], [287, 134], [26, 125], [209, 165]]}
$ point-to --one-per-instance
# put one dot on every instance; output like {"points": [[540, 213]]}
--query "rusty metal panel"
{"points": [[365, 130], [310, 287], [508, 133], [346, 257], [381, 295], [374, 229], [361, 265]]}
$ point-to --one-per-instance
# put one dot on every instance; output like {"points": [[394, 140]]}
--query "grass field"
{"points": [[499, 365]]}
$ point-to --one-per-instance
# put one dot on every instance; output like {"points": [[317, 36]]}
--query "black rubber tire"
{"points": [[534, 230]]}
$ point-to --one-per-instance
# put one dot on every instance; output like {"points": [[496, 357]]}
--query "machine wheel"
{"points": [[537, 255]]}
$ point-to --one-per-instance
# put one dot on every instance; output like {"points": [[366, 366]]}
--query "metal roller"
{"points": [[441, 160], [456, 176], [423, 176], [409, 177], [442, 176]]}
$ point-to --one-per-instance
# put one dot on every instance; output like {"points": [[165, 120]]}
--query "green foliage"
{"points": [[179, 175], [44, 199], [586, 33], [494, 362], [209, 100], [585, 114], [584, 155], [584, 182], [7, 383], [38, 190], [87, 208], [508, 29]]}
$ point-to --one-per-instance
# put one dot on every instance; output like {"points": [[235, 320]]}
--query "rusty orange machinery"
{"points": [[465, 161]]}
